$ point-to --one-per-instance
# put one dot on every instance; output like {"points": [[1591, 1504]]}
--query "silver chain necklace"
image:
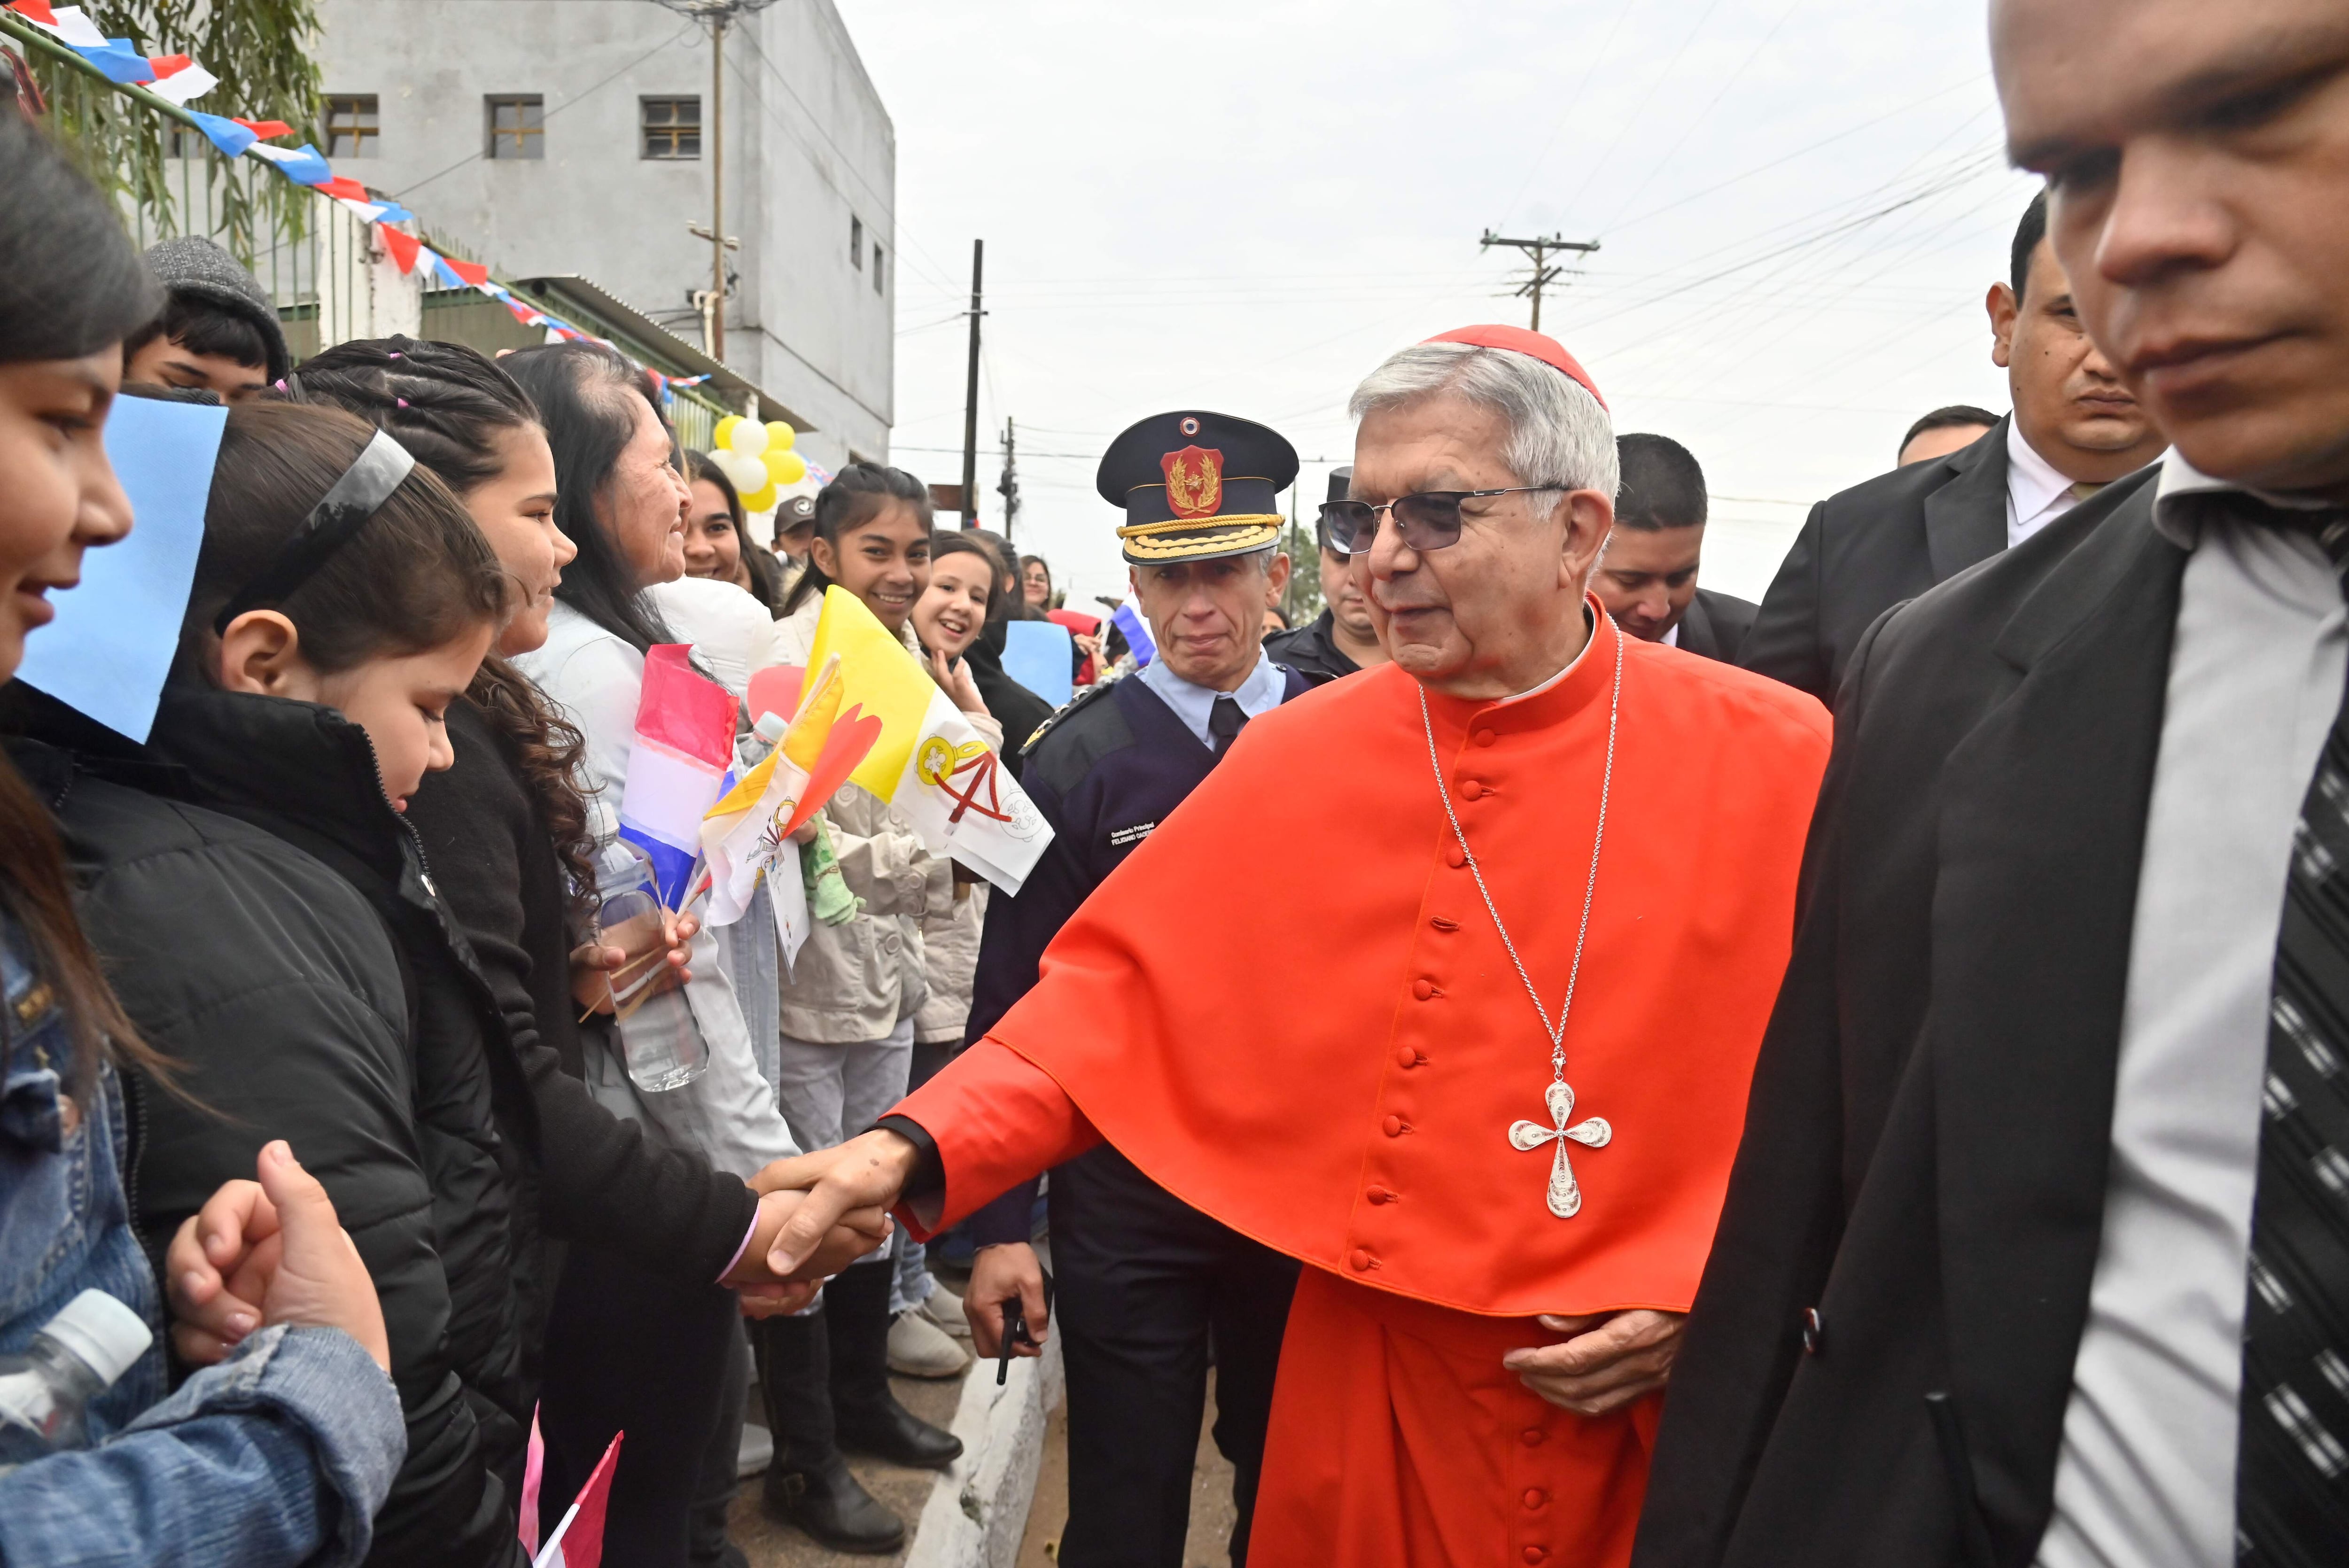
{"points": [[1565, 1193]]}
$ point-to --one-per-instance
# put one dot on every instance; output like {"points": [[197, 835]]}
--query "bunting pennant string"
{"points": [[179, 80]]}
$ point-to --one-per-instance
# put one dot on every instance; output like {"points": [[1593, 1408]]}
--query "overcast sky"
{"points": [[1245, 206]]}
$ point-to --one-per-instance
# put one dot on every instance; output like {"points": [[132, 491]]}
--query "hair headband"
{"points": [[380, 469]]}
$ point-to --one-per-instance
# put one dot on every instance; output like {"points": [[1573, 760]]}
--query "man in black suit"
{"points": [[2075, 426], [2036, 1251], [1647, 578]]}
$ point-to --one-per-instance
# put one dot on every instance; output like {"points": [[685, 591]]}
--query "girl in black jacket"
{"points": [[507, 834]]}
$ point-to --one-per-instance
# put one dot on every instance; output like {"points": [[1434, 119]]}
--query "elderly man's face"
{"points": [[1500, 611], [2197, 157]]}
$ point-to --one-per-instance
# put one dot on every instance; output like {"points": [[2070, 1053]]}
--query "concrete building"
{"points": [[571, 140]]}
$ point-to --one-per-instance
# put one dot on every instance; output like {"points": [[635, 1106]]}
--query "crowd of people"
{"points": [[1599, 1070]]}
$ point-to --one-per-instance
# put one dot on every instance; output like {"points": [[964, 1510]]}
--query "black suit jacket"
{"points": [[1871, 547], [1925, 1151], [1715, 625]]}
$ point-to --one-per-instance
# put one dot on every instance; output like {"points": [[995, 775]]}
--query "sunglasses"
{"points": [[1429, 520]]}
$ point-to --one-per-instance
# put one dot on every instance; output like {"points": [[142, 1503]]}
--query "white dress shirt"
{"points": [[2036, 495], [1258, 696], [2147, 1474]]}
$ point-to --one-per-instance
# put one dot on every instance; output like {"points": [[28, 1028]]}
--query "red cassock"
{"points": [[1291, 1009]]}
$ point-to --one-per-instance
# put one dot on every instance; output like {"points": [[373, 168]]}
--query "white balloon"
{"points": [[749, 438], [748, 473]]}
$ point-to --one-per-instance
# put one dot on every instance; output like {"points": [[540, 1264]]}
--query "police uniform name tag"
{"points": [[1121, 838]]}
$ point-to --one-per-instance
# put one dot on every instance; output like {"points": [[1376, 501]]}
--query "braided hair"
{"points": [[450, 407]]}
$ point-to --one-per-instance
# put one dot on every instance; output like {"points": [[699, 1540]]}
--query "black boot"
{"points": [[869, 1420], [808, 1485]]}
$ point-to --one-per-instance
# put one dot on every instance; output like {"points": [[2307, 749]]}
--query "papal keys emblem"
{"points": [[1194, 481]]}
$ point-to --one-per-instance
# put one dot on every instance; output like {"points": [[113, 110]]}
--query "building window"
{"points": [[876, 269], [671, 127], [353, 129], [517, 124], [856, 242]]}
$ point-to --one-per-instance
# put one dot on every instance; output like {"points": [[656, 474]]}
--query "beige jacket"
{"points": [[851, 983]]}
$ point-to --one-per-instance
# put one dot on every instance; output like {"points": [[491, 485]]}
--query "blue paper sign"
{"points": [[1128, 620], [1039, 655], [111, 645]]}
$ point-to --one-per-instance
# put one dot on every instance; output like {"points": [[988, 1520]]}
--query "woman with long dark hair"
{"points": [[284, 1455], [621, 499], [717, 542]]}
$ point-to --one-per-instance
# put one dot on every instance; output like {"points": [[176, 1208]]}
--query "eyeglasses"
{"points": [[1429, 520]]}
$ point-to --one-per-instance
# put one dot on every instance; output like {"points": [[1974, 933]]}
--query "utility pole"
{"points": [[1544, 274], [717, 15], [971, 393], [1010, 488]]}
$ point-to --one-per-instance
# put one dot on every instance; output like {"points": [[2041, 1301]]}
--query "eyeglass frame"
{"points": [[1457, 497]]}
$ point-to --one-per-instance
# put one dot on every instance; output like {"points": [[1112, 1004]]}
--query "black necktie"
{"points": [[2292, 1479], [1224, 722]]}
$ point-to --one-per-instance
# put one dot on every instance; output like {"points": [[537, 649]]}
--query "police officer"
{"points": [[1342, 640], [1149, 1289]]}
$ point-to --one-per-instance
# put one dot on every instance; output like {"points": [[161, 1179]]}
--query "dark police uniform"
{"points": [[1309, 649], [1149, 1288]]}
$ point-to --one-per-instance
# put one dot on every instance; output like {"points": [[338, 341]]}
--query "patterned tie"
{"points": [[2292, 1481], [1224, 722]]}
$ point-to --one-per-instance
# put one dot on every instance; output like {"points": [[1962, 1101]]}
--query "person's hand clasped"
{"points": [[767, 1293], [262, 1253], [866, 1173], [1610, 1359], [999, 1273]]}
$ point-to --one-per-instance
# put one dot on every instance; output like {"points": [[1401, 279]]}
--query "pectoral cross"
{"points": [[1565, 1193]]}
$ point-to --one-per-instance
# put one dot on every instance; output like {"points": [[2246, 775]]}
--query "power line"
{"points": [[1689, 125]]}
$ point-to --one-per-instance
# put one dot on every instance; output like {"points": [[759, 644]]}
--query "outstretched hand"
{"points": [[865, 1173], [1612, 1360]]}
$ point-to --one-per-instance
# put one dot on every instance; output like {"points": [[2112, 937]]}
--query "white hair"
{"points": [[1558, 433]]}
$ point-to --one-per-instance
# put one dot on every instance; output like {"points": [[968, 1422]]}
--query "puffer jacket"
{"points": [[254, 943], [851, 983]]}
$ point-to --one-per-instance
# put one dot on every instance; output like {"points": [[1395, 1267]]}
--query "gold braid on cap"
{"points": [[1198, 533]]}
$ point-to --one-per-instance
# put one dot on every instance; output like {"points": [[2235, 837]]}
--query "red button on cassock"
{"points": [[1423, 989], [1531, 1436], [1453, 857], [1471, 790], [1360, 1260], [1380, 1195], [1484, 737], [1536, 1554], [1406, 1057], [1536, 1497], [1394, 1126]]}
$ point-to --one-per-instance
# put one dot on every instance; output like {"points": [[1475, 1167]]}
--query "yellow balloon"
{"points": [[784, 468], [779, 436], [718, 440], [760, 500], [749, 438]]}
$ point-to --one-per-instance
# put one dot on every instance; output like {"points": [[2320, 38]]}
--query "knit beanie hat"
{"points": [[191, 264]]}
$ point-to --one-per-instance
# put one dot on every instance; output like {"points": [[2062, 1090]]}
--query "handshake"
{"points": [[818, 1213]]}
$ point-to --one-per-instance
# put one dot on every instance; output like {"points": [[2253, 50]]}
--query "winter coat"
{"points": [[851, 983], [285, 948]]}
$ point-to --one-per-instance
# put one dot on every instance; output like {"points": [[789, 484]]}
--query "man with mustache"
{"points": [[2038, 1250], [1447, 982], [2075, 428]]}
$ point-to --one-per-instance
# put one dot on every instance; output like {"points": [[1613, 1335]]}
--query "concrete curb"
{"points": [[977, 1511]]}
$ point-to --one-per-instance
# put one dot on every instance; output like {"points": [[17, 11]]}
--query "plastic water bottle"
{"points": [[44, 1393]]}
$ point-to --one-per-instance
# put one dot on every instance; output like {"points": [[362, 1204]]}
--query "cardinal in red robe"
{"points": [[1447, 981]]}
